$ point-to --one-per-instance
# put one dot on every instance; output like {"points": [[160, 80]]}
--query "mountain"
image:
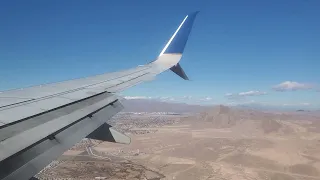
{"points": [[226, 117], [250, 120]]}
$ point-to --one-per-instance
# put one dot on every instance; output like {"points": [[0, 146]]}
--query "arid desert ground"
{"points": [[219, 143]]}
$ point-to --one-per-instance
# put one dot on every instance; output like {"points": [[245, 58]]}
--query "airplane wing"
{"points": [[38, 124]]}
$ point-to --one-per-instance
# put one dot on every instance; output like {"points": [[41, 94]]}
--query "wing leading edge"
{"points": [[37, 124]]}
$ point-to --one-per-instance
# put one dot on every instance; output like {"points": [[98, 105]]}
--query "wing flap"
{"points": [[106, 133], [30, 161], [10, 146]]}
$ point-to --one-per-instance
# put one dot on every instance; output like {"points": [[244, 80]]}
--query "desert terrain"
{"points": [[219, 143]]}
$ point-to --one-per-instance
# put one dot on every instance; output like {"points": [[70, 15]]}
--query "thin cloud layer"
{"points": [[298, 104], [243, 94], [186, 99], [252, 93], [206, 99], [173, 99], [137, 97], [291, 86]]}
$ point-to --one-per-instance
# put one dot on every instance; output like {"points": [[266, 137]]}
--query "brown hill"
{"points": [[254, 120], [220, 116]]}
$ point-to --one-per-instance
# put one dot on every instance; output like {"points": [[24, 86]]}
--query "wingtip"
{"points": [[179, 39], [194, 13]]}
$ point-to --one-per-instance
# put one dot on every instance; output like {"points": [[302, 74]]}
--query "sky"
{"points": [[239, 52]]}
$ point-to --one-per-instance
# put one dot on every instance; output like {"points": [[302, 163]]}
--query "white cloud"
{"points": [[163, 98], [235, 97], [243, 94], [242, 103], [291, 86], [184, 99], [171, 99], [187, 97], [252, 93], [305, 104], [206, 99], [137, 97], [298, 104]]}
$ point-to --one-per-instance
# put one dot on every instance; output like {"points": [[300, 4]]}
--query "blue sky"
{"points": [[238, 52]]}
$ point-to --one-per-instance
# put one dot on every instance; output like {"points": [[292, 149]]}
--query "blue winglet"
{"points": [[179, 39]]}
